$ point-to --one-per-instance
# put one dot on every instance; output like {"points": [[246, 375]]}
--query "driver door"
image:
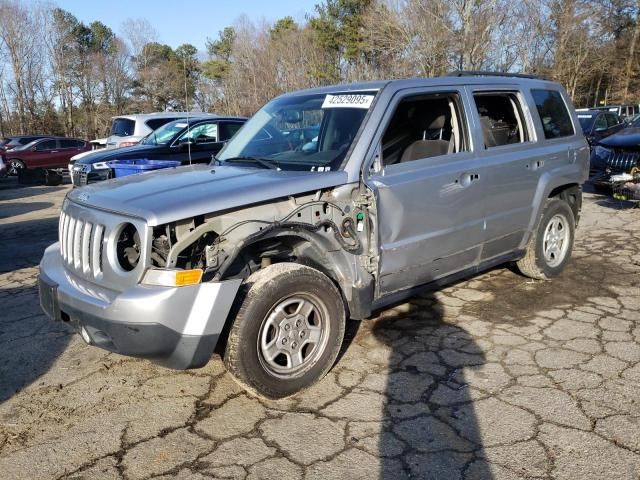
{"points": [[428, 191]]}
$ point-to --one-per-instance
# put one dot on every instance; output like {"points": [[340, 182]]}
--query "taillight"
{"points": [[127, 144]]}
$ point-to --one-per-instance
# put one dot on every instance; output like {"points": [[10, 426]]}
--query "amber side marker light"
{"points": [[172, 278]]}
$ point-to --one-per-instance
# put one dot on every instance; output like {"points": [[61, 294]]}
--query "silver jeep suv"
{"points": [[265, 253]]}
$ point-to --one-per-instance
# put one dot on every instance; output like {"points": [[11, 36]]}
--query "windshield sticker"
{"points": [[181, 125], [347, 101], [585, 116]]}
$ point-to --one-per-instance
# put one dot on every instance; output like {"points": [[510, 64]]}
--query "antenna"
{"points": [[186, 105]]}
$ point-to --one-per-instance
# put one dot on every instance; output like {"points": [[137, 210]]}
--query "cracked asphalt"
{"points": [[497, 377]]}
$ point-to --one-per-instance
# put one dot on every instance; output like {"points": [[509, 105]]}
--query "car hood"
{"points": [[177, 193], [629, 137], [105, 155]]}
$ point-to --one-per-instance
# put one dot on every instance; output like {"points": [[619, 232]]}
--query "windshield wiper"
{"points": [[265, 162]]}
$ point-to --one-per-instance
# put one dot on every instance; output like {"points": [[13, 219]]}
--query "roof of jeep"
{"points": [[467, 79]]}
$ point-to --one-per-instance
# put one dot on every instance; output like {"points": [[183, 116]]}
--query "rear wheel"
{"points": [[550, 246], [287, 332], [13, 166]]}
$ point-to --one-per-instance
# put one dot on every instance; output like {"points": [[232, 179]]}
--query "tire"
{"points": [[287, 331], [52, 178], [549, 248], [13, 166]]}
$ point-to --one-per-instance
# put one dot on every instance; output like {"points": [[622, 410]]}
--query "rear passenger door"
{"points": [[507, 149], [429, 189]]}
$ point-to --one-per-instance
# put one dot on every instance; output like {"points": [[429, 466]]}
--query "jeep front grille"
{"points": [[81, 245], [623, 161]]}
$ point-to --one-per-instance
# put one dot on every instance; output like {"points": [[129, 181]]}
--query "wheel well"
{"points": [[572, 194], [289, 248]]}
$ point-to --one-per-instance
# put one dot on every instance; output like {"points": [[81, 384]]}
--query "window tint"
{"points": [[501, 118], [46, 145], [122, 127], [423, 127], [71, 143], [613, 120], [555, 118], [229, 129], [601, 122], [158, 122]]}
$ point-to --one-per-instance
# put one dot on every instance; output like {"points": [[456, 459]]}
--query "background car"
{"points": [[45, 153], [598, 124], [616, 154], [623, 111], [128, 130], [196, 140], [10, 143]]}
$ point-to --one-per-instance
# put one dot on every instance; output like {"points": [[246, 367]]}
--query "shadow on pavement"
{"points": [[23, 243], [11, 190], [430, 405], [14, 209], [29, 342]]}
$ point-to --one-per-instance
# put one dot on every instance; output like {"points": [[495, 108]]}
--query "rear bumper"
{"points": [[177, 327]]}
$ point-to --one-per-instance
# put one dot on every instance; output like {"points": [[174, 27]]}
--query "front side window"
{"points": [[203, 133], [46, 145], [553, 112], [229, 129], [501, 118], [422, 127], [613, 120], [600, 123], [301, 132]]}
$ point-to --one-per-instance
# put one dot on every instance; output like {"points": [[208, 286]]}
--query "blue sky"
{"points": [[186, 21]]}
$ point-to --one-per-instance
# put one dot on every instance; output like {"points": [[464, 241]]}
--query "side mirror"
{"points": [[33, 149], [186, 142]]}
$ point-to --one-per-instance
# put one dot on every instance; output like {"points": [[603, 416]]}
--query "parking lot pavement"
{"points": [[496, 377]]}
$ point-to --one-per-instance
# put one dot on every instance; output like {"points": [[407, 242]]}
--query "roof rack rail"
{"points": [[480, 73]]}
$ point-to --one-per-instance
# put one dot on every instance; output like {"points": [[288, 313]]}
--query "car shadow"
{"points": [[20, 208], [29, 342], [430, 405], [23, 243]]}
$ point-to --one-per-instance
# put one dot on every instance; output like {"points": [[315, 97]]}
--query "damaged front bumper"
{"points": [[177, 327]]}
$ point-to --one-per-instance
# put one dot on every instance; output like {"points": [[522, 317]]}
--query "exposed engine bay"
{"points": [[236, 243]]}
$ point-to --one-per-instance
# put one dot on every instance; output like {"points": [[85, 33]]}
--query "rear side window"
{"points": [[155, 123], [501, 118], [553, 112], [71, 143], [122, 127]]}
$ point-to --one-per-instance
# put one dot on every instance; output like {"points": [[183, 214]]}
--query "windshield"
{"points": [[301, 132], [166, 133], [122, 127]]}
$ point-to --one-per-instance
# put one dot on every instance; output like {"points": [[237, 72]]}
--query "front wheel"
{"points": [[287, 332], [550, 246]]}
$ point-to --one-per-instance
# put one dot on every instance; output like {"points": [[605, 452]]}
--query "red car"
{"points": [[45, 153]]}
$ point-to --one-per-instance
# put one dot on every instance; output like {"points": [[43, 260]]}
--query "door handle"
{"points": [[54, 151], [467, 179]]}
